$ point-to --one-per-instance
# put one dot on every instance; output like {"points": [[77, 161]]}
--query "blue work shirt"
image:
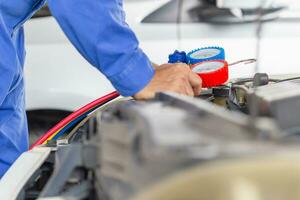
{"points": [[97, 29]]}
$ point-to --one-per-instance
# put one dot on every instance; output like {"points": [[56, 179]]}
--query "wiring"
{"points": [[59, 133], [79, 125], [67, 127], [288, 79], [89, 116], [248, 80], [74, 118]]}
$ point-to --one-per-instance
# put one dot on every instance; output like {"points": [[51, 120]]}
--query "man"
{"points": [[98, 30]]}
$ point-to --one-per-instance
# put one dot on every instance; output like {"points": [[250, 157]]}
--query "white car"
{"points": [[59, 80]]}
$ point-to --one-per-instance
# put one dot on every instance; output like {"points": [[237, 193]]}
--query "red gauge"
{"points": [[213, 73]]}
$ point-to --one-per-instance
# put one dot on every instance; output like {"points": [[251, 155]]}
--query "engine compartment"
{"points": [[128, 146]]}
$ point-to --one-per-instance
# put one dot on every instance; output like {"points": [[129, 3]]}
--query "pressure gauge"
{"points": [[205, 54], [213, 73]]}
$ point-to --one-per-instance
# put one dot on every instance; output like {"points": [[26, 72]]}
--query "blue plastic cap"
{"points": [[205, 54], [177, 57]]}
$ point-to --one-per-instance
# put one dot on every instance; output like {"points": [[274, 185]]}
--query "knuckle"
{"points": [[181, 79], [177, 68], [184, 68], [181, 68]]}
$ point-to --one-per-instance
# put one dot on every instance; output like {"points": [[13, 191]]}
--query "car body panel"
{"points": [[18, 175], [57, 77]]}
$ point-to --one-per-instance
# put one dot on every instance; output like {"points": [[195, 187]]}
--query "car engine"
{"points": [[130, 146]]}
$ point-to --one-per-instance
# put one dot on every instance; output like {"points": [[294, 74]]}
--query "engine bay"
{"points": [[126, 146]]}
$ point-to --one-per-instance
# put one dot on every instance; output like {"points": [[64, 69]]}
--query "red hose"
{"points": [[73, 116]]}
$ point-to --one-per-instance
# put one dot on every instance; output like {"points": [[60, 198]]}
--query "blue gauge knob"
{"points": [[205, 54], [177, 57]]}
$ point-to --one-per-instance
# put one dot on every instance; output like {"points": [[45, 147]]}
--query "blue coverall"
{"points": [[98, 30]]}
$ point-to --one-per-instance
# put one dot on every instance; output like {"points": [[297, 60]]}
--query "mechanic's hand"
{"points": [[178, 78]]}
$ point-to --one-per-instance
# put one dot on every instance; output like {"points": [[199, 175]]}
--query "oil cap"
{"points": [[213, 73], [205, 54]]}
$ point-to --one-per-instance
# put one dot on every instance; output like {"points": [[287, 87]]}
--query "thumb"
{"points": [[196, 83]]}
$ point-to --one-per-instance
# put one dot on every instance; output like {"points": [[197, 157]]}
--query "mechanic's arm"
{"points": [[98, 30], [8, 61]]}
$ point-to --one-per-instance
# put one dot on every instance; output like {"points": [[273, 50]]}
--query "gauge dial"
{"points": [[213, 73]]}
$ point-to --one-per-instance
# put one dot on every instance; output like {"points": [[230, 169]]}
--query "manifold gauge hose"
{"points": [[213, 73]]}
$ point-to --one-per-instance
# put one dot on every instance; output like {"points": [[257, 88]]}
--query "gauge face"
{"points": [[205, 53], [207, 67]]}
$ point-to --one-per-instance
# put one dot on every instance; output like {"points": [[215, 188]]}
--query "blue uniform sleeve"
{"points": [[98, 30], [8, 61]]}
